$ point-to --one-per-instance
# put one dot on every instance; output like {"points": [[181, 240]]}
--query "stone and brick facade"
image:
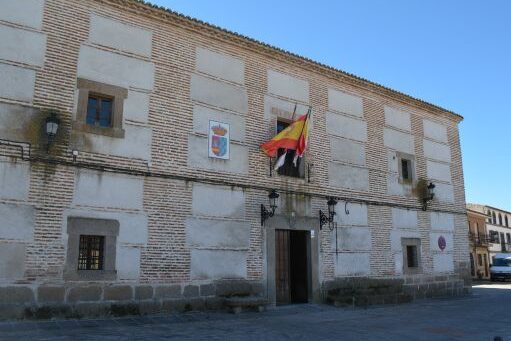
{"points": [[182, 230]]}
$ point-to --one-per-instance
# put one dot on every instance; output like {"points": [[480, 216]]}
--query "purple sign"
{"points": [[442, 243]]}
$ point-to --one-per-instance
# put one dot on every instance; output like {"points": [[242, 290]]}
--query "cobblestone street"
{"points": [[482, 316]]}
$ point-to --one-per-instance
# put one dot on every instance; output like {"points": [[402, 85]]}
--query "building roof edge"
{"points": [[270, 48]]}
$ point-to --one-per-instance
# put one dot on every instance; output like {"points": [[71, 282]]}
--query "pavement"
{"points": [[484, 315]]}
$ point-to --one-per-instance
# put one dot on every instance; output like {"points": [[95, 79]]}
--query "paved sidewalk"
{"points": [[482, 316]]}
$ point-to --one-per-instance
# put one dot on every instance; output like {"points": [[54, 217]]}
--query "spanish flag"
{"points": [[294, 137]]}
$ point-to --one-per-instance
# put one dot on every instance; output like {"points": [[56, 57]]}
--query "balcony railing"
{"points": [[479, 239]]}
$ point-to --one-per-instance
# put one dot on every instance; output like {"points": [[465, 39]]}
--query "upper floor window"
{"points": [[100, 108], [405, 167], [500, 219], [493, 218], [506, 221], [289, 168], [494, 237]]}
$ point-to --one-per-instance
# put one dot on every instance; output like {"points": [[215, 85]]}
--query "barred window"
{"points": [[91, 252]]}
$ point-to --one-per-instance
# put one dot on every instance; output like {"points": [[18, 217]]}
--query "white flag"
{"points": [[280, 161]]}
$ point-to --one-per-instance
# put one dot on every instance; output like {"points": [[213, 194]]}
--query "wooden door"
{"points": [[282, 273]]}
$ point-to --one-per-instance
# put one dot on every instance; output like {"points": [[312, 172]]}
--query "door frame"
{"points": [[283, 222]]}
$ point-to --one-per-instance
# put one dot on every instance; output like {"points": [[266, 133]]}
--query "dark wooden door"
{"points": [[282, 275], [291, 266]]}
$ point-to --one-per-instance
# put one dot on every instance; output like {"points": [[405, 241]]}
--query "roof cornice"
{"points": [[162, 13]]}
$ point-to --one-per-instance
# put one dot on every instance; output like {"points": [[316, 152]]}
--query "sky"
{"points": [[455, 54]]}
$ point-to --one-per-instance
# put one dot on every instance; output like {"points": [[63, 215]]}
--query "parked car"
{"points": [[501, 267]]}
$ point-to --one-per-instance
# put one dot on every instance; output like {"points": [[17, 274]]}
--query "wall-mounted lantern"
{"points": [[323, 219], [52, 125], [265, 214], [429, 195]]}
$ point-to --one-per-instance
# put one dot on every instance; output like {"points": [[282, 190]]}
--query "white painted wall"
{"points": [[136, 106], [17, 83], [115, 69], [441, 221], [218, 264], [115, 34], [435, 131], [352, 264], [348, 177], [345, 103], [128, 263], [14, 179], [17, 222], [357, 214], [219, 94], [22, 46], [397, 119], [217, 233], [220, 65], [287, 86], [348, 151], [444, 192], [217, 201], [12, 265], [436, 151], [23, 12], [404, 219], [438, 171], [108, 190], [135, 144], [443, 263], [399, 141], [347, 127]]}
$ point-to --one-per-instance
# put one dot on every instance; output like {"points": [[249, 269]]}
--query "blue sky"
{"points": [[456, 54]]}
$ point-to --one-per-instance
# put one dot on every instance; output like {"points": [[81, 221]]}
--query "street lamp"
{"points": [[265, 214], [52, 125], [323, 219], [430, 194]]}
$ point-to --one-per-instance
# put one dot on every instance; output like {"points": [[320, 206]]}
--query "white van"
{"points": [[501, 267]]}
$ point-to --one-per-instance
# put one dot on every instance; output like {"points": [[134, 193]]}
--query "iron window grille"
{"points": [[91, 252]]}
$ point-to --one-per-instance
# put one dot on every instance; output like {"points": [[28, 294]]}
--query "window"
{"points": [[91, 249], [508, 238], [91, 252], [99, 111], [494, 219], [289, 169], [480, 259], [100, 108], [494, 237], [500, 219], [411, 255], [405, 168], [507, 222]]}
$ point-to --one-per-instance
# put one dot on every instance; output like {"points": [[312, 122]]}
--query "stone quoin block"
{"points": [[118, 293], [144, 292], [49, 294], [83, 294]]}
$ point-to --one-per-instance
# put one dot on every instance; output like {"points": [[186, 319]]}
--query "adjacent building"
{"points": [[498, 226], [153, 194], [479, 244]]}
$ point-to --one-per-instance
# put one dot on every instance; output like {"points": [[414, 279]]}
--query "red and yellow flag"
{"points": [[293, 137]]}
